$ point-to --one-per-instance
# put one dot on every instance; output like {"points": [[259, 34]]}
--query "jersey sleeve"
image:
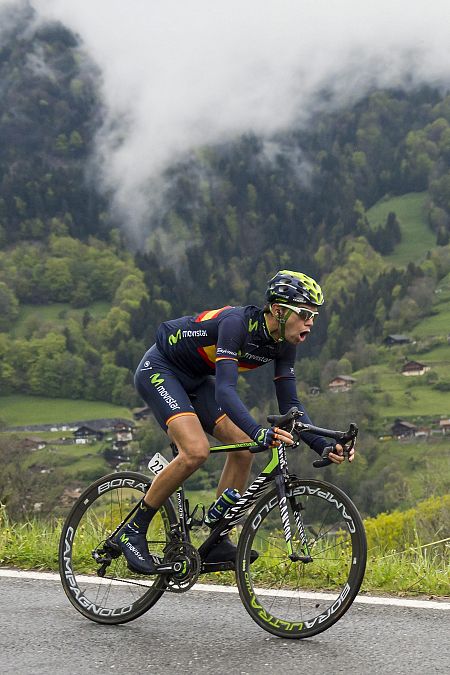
{"points": [[286, 391], [230, 339]]}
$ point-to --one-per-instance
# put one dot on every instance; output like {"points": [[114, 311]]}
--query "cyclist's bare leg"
{"points": [[193, 448], [237, 467]]}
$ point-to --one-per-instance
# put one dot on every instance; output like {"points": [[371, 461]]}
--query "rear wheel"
{"points": [[299, 598], [118, 595]]}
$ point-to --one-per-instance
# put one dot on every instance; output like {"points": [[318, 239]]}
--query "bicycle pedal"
{"points": [[113, 547], [217, 566]]}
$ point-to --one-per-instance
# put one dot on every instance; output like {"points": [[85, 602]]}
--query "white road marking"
{"points": [[211, 588]]}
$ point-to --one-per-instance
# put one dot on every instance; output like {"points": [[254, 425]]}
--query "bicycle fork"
{"points": [[280, 483]]}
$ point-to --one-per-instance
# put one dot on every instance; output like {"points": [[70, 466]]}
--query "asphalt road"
{"points": [[209, 632]]}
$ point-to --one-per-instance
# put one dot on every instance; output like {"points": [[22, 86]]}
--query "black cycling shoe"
{"points": [[225, 551], [134, 547]]}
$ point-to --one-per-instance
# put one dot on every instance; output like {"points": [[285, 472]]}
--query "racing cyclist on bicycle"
{"points": [[188, 378]]}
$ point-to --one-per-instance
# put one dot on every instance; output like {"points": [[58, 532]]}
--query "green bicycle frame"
{"points": [[275, 470]]}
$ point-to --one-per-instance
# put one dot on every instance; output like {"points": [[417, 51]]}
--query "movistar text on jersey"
{"points": [[194, 333], [171, 402]]}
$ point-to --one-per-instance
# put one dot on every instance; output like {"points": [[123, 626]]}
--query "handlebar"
{"points": [[291, 422]]}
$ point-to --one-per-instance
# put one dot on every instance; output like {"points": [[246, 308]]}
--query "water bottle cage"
{"points": [[196, 520]]}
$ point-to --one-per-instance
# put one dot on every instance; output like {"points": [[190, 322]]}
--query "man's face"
{"points": [[299, 325]]}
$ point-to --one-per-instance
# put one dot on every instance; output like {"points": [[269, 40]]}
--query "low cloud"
{"points": [[177, 75]]}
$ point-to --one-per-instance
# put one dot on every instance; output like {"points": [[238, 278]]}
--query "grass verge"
{"points": [[417, 570]]}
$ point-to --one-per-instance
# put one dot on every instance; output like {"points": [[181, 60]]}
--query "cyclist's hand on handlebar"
{"points": [[337, 456], [273, 437]]}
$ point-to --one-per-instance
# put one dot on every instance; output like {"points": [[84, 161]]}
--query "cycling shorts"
{"points": [[170, 393]]}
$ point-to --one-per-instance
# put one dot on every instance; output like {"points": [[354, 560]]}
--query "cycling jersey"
{"points": [[218, 342]]}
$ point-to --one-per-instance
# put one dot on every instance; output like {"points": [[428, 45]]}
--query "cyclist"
{"points": [[188, 378]]}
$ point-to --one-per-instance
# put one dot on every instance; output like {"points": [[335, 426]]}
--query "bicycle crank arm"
{"points": [[170, 568], [300, 558]]}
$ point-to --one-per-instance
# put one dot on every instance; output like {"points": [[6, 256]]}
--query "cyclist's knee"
{"points": [[194, 456], [243, 458]]}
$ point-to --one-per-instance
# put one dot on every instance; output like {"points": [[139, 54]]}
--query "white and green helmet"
{"points": [[294, 288]]}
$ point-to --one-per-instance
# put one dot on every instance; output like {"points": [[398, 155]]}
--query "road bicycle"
{"points": [[308, 535]]}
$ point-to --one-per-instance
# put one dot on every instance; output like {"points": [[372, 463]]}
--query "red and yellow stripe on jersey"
{"points": [[208, 353]]}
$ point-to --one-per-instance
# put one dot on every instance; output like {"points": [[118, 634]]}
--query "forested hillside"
{"points": [[234, 214]]}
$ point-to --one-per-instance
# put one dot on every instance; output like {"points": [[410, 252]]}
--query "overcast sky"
{"points": [[179, 73]]}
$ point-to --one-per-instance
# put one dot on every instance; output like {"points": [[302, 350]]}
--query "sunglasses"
{"points": [[302, 313]]}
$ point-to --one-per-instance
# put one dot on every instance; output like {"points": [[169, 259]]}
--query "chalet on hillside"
{"points": [[444, 426], [414, 368], [141, 413], [341, 383], [85, 434], [34, 443], [402, 429], [393, 340], [124, 434]]}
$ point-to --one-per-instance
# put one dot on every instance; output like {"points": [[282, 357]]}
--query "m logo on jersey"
{"points": [[173, 339], [156, 379]]}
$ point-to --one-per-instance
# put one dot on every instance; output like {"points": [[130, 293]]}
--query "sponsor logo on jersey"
{"points": [[225, 352], [253, 357], [179, 335], [157, 380]]}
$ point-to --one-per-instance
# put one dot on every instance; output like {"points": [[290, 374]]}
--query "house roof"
{"points": [[398, 338], [345, 378], [403, 423], [415, 364], [86, 429]]}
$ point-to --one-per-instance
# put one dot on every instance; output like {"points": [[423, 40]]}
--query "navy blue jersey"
{"points": [[197, 343], [228, 340]]}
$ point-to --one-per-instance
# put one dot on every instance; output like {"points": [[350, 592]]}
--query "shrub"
{"points": [[427, 522]]}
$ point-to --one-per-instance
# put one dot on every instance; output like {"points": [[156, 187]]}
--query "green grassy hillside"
{"points": [[20, 410], [399, 396], [438, 324], [396, 395], [417, 238]]}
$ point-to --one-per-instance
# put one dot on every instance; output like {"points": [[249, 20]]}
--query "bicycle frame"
{"points": [[275, 470]]}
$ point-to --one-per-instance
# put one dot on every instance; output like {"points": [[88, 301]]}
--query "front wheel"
{"points": [[291, 596], [96, 578]]}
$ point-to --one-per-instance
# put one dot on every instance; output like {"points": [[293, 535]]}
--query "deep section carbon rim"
{"points": [[120, 595], [298, 599]]}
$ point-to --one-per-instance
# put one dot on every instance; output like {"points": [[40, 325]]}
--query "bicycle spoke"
{"points": [[288, 596], [118, 595]]}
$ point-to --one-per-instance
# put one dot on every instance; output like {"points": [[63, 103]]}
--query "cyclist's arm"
{"points": [[286, 391], [231, 337]]}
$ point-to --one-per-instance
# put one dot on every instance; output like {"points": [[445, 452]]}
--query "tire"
{"points": [[301, 599], [120, 595]]}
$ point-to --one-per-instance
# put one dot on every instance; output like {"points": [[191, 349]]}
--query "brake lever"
{"points": [[325, 461], [347, 440]]}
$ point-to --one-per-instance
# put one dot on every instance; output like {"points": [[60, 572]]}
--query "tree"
{"points": [[9, 307], [57, 280]]}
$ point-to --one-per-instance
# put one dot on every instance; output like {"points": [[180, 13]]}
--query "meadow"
{"points": [[18, 410], [417, 238]]}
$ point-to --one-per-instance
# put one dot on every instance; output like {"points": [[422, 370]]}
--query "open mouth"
{"points": [[303, 335]]}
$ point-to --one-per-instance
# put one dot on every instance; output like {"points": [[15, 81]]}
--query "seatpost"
{"points": [[182, 502]]}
